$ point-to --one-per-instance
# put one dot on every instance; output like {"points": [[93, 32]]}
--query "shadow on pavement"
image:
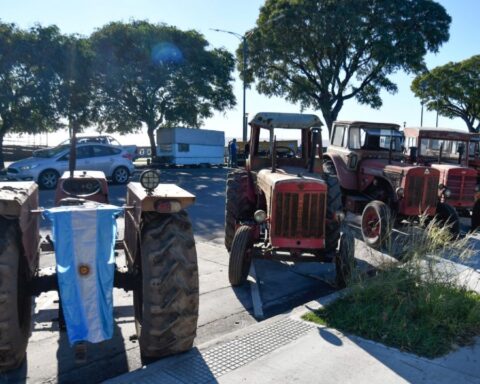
{"points": [[282, 286], [104, 360]]}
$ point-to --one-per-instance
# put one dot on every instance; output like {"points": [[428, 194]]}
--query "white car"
{"points": [[46, 165], [105, 139]]}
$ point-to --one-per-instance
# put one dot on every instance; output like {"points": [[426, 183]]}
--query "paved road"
{"points": [[223, 309]]}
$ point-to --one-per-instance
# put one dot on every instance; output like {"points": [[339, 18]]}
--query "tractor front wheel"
{"points": [[376, 223], [345, 258], [240, 256], [166, 300], [15, 301], [447, 216]]}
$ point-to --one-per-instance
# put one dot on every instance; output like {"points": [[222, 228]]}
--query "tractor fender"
{"points": [[346, 178]]}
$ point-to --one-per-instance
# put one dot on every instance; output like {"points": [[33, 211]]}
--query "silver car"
{"points": [[46, 165]]}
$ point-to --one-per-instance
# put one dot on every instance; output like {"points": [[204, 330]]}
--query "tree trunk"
{"points": [[329, 116], [151, 137]]}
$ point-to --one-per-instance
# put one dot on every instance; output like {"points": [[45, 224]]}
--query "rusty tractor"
{"points": [[375, 181], [447, 150], [282, 205], [159, 251]]}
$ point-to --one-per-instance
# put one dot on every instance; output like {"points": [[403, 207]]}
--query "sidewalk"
{"points": [[285, 349]]}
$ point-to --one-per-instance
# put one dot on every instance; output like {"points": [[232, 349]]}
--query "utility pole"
{"points": [[243, 39]]}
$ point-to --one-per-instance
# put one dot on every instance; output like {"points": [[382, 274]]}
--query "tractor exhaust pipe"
{"points": [[390, 151], [440, 154], [72, 161], [274, 155], [315, 134]]}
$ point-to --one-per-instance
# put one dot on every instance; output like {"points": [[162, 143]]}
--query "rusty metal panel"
{"points": [[18, 199]]}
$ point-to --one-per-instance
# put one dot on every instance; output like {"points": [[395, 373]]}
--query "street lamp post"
{"points": [[243, 39]]}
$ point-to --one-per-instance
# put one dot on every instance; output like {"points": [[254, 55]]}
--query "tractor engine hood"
{"points": [[451, 169], [268, 180], [419, 184], [460, 181], [296, 206]]}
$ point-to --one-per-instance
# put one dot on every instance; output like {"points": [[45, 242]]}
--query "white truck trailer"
{"points": [[190, 146]]}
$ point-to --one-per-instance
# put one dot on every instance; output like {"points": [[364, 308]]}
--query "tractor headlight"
{"points": [[150, 179], [400, 192], [260, 216], [447, 192]]}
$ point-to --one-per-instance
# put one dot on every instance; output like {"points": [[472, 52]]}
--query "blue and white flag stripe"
{"points": [[84, 239]]}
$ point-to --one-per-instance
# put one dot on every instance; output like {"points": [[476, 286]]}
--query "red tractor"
{"points": [[375, 181], [447, 150], [282, 205]]}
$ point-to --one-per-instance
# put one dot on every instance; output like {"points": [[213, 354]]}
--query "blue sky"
{"points": [[85, 16]]}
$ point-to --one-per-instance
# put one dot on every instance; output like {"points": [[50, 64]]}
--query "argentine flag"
{"points": [[84, 238]]}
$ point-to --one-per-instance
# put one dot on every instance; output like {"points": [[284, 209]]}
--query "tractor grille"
{"points": [[299, 215], [461, 186], [422, 191]]}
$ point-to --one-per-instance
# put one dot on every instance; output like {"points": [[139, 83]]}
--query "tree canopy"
{"points": [[160, 76], [322, 53], [28, 77], [453, 90]]}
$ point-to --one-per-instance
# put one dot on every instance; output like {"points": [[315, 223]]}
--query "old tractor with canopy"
{"points": [[282, 206], [447, 150], [375, 181]]}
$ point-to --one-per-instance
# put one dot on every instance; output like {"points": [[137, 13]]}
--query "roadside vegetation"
{"points": [[417, 305]]}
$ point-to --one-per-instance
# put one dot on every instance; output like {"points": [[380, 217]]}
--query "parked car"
{"points": [[46, 165], [105, 139]]}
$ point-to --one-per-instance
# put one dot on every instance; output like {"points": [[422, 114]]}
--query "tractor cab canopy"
{"points": [[271, 120], [359, 135], [449, 145], [267, 129]]}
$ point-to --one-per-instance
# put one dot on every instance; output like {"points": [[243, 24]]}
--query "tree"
{"points": [[27, 80], [76, 98], [322, 53], [453, 90], [160, 76]]}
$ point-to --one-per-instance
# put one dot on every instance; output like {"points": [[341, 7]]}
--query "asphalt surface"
{"points": [[278, 287]]}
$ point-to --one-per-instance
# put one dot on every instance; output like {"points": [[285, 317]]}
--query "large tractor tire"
{"points": [[447, 215], [166, 300], [334, 204], [345, 258], [376, 224], [238, 204], [15, 300], [240, 256]]}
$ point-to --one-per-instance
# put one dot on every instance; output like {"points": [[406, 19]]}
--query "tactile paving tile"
{"points": [[227, 357]]}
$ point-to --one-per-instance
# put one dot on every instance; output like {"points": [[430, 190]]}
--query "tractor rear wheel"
{"points": [[345, 258], [334, 204], [240, 256], [447, 215], [15, 300], [166, 300], [238, 205], [376, 223]]}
